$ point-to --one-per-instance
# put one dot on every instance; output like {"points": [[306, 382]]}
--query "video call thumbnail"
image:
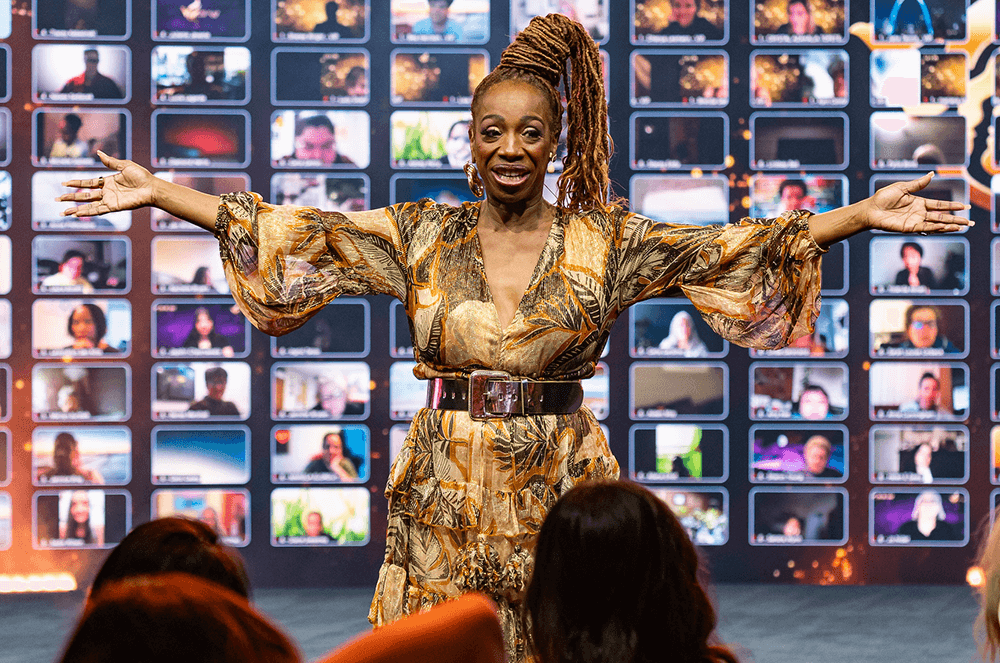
{"points": [[205, 138], [918, 453], [829, 338], [300, 75], [799, 79], [681, 199], [216, 20], [597, 392], [215, 184], [799, 22], [798, 140], [925, 266], [703, 512], [436, 77], [672, 328], [73, 138], [6, 189], [685, 22], [199, 328], [200, 455], [5, 125], [328, 192], [81, 328], [915, 517], [320, 453], [81, 265], [5, 328], [443, 189], [6, 523], [407, 394], [342, 329], [47, 212], [679, 453], [790, 517], [430, 139], [320, 139], [6, 457], [200, 390], [109, 20], [918, 327], [900, 140], [307, 21], [679, 390], [320, 516], [80, 392], [187, 265], [799, 390], [936, 391], [665, 79], [679, 140], [440, 22], [773, 194], [226, 511], [798, 454], [81, 73], [77, 455], [909, 77], [919, 22], [320, 390], [80, 518], [189, 75]]}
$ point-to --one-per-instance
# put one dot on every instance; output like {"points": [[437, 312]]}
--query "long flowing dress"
{"points": [[467, 497]]}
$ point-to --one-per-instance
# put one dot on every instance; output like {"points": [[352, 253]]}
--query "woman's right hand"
{"points": [[128, 187]]}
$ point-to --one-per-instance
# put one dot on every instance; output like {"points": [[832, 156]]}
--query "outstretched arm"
{"points": [[893, 208], [131, 186]]}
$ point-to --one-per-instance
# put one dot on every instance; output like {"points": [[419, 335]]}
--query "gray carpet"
{"points": [[768, 623]]}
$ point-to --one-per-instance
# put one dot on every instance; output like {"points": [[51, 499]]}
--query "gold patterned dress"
{"points": [[467, 497]]}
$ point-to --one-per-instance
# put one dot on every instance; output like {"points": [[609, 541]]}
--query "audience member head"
{"points": [[817, 454], [792, 193], [814, 402], [616, 579], [922, 324], [87, 323], [174, 617], [928, 392], [174, 544], [65, 454]]}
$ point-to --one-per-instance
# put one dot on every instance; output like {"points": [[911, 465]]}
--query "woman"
{"points": [[616, 581], [800, 20], [511, 295], [922, 462], [66, 464], [86, 326], [684, 20], [203, 335], [77, 525], [987, 628], [683, 338], [927, 522]]}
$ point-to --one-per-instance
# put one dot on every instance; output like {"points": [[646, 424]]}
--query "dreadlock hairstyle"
{"points": [[539, 56]]}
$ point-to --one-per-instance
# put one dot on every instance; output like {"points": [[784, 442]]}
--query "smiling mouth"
{"points": [[510, 176]]}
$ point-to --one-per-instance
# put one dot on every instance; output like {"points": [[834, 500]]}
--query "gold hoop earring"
{"points": [[475, 182]]}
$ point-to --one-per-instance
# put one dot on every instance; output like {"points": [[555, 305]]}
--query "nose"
{"points": [[510, 146]]}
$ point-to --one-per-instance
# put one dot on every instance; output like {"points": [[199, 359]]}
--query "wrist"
{"points": [[155, 194]]}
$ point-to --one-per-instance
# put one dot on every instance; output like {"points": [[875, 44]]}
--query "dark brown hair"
{"points": [[539, 57], [616, 580]]}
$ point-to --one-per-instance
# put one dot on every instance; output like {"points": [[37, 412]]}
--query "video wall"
{"points": [[131, 387]]}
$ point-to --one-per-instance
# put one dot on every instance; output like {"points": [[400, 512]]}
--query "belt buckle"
{"points": [[481, 406]]}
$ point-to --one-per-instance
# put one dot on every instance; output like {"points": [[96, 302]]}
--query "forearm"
{"points": [[185, 203], [830, 227]]}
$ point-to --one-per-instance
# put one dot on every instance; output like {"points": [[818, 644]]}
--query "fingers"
{"points": [[81, 196], [917, 184], [946, 205], [111, 162], [92, 183]]}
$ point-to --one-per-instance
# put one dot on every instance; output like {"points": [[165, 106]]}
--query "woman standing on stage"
{"points": [[510, 301]]}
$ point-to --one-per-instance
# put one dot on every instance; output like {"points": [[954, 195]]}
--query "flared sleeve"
{"points": [[756, 282], [284, 263]]}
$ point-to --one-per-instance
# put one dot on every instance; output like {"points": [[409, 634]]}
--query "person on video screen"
{"points": [[913, 273], [77, 526], [92, 81], [331, 397], [682, 336], [203, 277], [203, 335], [791, 526], [87, 325], [927, 522], [922, 457], [332, 25], [814, 402], [456, 147], [438, 23], [66, 461], [684, 20], [70, 274], [198, 82], [816, 454], [68, 144], [313, 526], [794, 195], [316, 140], [923, 330], [928, 396], [215, 381], [356, 82], [332, 460], [800, 20]]}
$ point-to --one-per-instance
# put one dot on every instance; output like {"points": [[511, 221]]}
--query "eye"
{"points": [[532, 133], [490, 132]]}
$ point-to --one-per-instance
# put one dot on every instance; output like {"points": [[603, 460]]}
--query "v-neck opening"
{"points": [[535, 274]]}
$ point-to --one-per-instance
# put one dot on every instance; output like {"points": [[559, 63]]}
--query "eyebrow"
{"points": [[524, 118]]}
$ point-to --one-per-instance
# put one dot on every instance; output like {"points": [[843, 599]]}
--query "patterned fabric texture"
{"points": [[466, 497]]}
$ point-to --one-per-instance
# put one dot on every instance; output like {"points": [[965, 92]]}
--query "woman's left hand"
{"points": [[896, 209]]}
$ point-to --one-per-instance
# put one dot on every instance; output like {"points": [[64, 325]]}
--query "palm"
{"points": [[896, 209], [129, 186]]}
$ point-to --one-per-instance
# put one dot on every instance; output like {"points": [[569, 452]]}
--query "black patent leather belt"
{"points": [[498, 395]]}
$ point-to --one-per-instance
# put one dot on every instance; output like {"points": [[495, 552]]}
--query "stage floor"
{"points": [[767, 623]]}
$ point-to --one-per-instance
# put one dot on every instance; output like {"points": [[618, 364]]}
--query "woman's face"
{"points": [[927, 508], [204, 324], [512, 138], [683, 12], [798, 18], [82, 324], [79, 507], [333, 447], [457, 146]]}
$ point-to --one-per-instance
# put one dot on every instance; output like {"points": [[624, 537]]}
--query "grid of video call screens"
{"points": [[131, 386]]}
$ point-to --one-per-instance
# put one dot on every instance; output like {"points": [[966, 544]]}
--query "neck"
{"points": [[516, 217]]}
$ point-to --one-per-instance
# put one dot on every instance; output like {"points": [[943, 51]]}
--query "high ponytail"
{"points": [[539, 56]]}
